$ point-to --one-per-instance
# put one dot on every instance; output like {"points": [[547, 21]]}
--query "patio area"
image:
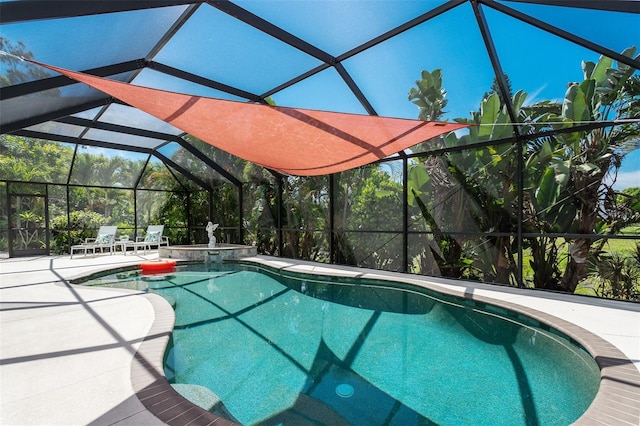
{"points": [[67, 351]]}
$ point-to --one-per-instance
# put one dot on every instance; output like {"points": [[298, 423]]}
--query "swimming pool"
{"points": [[301, 349]]}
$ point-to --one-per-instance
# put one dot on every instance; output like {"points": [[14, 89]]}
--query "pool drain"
{"points": [[344, 390]]}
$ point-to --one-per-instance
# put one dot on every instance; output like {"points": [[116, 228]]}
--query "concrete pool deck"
{"points": [[71, 355]]}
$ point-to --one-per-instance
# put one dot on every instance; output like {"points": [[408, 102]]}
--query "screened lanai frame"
{"points": [[344, 66]]}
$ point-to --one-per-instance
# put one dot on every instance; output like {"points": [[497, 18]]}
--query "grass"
{"points": [[631, 230], [625, 247], [621, 246]]}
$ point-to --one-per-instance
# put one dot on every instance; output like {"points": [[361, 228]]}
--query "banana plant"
{"points": [[582, 161], [547, 209], [567, 187], [488, 177], [448, 253], [472, 191]]}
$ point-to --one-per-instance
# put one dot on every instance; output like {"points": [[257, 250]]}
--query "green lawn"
{"points": [[621, 246], [625, 247], [631, 230]]}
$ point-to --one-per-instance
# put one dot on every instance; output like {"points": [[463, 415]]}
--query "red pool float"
{"points": [[158, 266]]}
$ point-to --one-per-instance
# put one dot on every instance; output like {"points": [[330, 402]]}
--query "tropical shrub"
{"points": [[567, 188], [83, 224]]}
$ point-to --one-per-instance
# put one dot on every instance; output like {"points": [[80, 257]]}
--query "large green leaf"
{"points": [[629, 52], [518, 100], [502, 128], [575, 104], [587, 69], [625, 71], [548, 191], [588, 168], [588, 87], [490, 109], [425, 212], [437, 77], [599, 73], [562, 216], [537, 162], [562, 171], [545, 151], [417, 178]]}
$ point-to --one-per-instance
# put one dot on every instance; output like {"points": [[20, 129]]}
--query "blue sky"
{"points": [[536, 62]]}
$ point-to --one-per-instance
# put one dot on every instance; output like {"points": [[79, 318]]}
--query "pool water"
{"points": [[298, 350]]}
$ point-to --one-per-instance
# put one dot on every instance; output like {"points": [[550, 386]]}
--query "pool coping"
{"points": [[616, 402], [149, 382]]}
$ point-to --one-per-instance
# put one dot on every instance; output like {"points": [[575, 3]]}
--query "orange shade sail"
{"points": [[292, 141]]}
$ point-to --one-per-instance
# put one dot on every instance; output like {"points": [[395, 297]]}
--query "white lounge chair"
{"points": [[106, 239], [153, 237]]}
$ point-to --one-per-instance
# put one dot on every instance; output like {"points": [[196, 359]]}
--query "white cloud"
{"points": [[532, 97], [627, 180]]}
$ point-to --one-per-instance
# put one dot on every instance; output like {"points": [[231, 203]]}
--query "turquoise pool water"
{"points": [[298, 350]]}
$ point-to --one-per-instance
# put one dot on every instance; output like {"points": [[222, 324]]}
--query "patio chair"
{"points": [[106, 239], [153, 237]]}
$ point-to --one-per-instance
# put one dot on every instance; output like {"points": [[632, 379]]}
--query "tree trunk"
{"points": [[577, 267], [502, 264], [587, 194], [545, 260]]}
